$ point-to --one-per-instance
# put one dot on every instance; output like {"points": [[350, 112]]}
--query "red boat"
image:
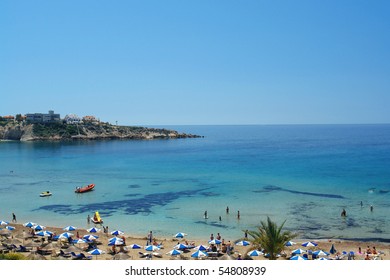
{"points": [[85, 189]]}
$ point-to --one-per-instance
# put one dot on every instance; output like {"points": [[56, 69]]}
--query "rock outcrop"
{"points": [[89, 131]]}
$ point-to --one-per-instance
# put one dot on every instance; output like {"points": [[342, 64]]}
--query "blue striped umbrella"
{"points": [[199, 254], [65, 235], [134, 246], [298, 258], [255, 253], [117, 232], [174, 252], [290, 243], [10, 227], [90, 237], [180, 235], [93, 230], [2, 223], [44, 233], [200, 248], [29, 224], [243, 243], [309, 244], [215, 241], [96, 252], [180, 247], [298, 251], [152, 248], [69, 228], [38, 227]]}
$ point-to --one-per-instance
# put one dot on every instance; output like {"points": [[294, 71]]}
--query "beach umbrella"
{"points": [[116, 242], [114, 239], [309, 244], [69, 228], [199, 254], [93, 230], [180, 235], [298, 258], [180, 247], [134, 246], [290, 243], [117, 232], [255, 253], [332, 250], [96, 252], [3, 223], [65, 235], [44, 233], [90, 237], [174, 252], [243, 243], [298, 251], [215, 241], [200, 248], [320, 253], [151, 248], [29, 224], [38, 227], [10, 227], [79, 241]]}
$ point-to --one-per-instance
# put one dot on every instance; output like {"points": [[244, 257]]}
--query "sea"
{"points": [[299, 175]]}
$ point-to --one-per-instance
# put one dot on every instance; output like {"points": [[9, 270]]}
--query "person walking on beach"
{"points": [[14, 218], [150, 237]]}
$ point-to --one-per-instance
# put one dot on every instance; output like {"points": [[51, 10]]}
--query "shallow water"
{"points": [[303, 174]]}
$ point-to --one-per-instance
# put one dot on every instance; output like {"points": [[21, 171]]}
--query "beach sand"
{"points": [[168, 244]]}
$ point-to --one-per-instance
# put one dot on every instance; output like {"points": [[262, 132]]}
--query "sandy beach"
{"points": [[61, 250]]}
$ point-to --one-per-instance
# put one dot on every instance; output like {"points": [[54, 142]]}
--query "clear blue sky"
{"points": [[198, 62]]}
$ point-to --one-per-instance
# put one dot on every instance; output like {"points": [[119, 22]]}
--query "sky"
{"points": [[198, 62]]}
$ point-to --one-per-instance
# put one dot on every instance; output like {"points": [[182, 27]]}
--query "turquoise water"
{"points": [[304, 174]]}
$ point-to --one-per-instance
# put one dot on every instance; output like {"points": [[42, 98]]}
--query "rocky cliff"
{"points": [[61, 132]]}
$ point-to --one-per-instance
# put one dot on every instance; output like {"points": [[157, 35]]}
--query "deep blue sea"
{"points": [[304, 174]]}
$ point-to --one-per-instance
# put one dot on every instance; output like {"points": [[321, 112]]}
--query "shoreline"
{"points": [[168, 243]]}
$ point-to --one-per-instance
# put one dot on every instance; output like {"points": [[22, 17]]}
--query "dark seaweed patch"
{"points": [[271, 188], [135, 186], [142, 205], [213, 224]]}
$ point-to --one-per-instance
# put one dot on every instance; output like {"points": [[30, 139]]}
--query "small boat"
{"points": [[46, 193], [96, 218], [85, 189]]}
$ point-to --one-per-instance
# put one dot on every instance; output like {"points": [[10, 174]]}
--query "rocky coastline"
{"points": [[89, 131]]}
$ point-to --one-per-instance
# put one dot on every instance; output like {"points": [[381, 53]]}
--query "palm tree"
{"points": [[270, 237]]}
